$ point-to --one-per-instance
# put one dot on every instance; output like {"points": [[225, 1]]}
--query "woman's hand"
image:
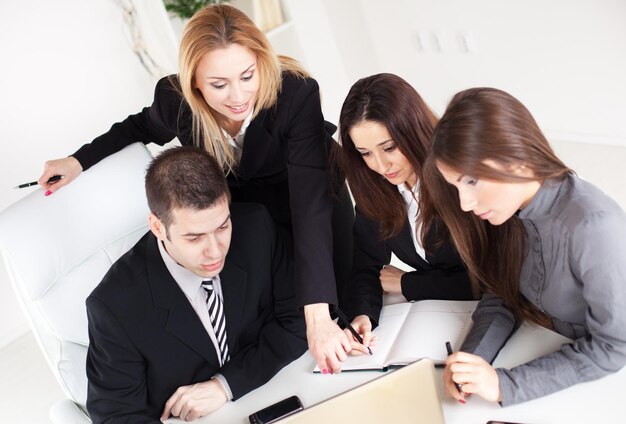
{"points": [[391, 278], [327, 343], [363, 326], [474, 375], [68, 167]]}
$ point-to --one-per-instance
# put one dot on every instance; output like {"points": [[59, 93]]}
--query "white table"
{"points": [[596, 401]]}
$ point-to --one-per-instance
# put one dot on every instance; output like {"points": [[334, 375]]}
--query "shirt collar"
{"points": [[404, 191], [244, 126], [543, 201], [189, 282]]}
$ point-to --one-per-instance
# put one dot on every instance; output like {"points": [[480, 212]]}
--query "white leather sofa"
{"points": [[56, 249]]}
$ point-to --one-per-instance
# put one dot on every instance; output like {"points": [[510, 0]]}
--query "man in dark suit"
{"points": [[200, 311]]}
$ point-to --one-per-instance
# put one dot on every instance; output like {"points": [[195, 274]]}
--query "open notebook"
{"points": [[411, 331], [407, 395]]}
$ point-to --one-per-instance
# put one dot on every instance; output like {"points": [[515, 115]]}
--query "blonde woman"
{"points": [[259, 115]]}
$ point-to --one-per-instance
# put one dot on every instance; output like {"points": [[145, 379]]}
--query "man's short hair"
{"points": [[184, 177]]}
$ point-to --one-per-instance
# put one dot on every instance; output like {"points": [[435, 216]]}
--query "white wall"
{"points": [[68, 72], [565, 59], [313, 30]]}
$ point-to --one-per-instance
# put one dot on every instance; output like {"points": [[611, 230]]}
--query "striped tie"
{"points": [[218, 320]]}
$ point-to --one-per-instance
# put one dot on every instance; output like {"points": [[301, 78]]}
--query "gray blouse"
{"points": [[575, 271]]}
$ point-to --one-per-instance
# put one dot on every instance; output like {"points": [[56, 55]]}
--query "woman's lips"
{"points": [[238, 108]]}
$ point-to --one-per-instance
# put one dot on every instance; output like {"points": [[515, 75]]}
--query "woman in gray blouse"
{"points": [[542, 245]]}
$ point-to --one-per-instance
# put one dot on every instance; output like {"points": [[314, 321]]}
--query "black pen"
{"points": [[345, 321], [459, 387], [50, 180]]}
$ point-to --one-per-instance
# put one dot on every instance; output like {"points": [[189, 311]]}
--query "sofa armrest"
{"points": [[67, 412]]}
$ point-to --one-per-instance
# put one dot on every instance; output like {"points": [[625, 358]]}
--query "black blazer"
{"points": [[284, 166], [443, 277], [146, 340]]}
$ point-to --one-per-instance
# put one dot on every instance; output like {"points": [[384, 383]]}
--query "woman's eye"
{"points": [[364, 154], [218, 86], [390, 148], [247, 77], [471, 181]]}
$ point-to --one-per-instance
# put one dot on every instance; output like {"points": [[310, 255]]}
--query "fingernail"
{"points": [[462, 401], [324, 371], [48, 193]]}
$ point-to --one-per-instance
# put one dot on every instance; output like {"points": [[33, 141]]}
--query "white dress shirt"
{"points": [[191, 285], [237, 140], [411, 199]]}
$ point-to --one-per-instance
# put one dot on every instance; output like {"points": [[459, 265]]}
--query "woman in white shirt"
{"points": [[385, 132], [259, 115]]}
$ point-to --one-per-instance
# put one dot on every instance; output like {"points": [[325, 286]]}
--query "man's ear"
{"points": [[157, 227]]}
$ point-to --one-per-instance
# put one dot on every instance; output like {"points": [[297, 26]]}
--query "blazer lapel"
{"points": [[234, 286], [182, 320], [404, 243], [257, 144]]}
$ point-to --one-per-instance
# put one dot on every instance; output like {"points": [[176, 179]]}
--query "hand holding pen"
{"points": [[459, 387], [466, 374], [68, 167], [364, 326]]}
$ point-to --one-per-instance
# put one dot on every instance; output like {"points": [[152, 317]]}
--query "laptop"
{"points": [[405, 395]]}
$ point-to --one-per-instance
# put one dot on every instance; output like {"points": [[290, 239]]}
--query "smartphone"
{"points": [[277, 411], [501, 422]]}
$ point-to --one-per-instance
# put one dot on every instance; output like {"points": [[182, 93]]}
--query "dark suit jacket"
{"points": [[443, 277], [146, 340], [284, 166]]}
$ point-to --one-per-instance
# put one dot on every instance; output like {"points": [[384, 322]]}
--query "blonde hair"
{"points": [[218, 27]]}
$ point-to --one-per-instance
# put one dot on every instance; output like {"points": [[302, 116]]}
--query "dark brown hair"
{"points": [[392, 102], [488, 124], [184, 177]]}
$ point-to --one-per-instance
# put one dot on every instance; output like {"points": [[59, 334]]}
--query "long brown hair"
{"points": [[217, 27], [392, 102], [479, 125]]}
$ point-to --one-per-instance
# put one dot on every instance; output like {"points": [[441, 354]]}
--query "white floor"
{"points": [[28, 388]]}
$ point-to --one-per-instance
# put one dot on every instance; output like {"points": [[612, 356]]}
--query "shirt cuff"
{"points": [[224, 383]]}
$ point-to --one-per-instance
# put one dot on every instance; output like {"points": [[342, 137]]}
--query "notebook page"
{"points": [[390, 323], [427, 327]]}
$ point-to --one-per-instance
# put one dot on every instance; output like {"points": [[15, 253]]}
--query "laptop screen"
{"points": [[405, 395]]}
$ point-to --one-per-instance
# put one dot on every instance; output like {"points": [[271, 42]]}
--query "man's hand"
{"points": [[194, 401], [327, 343], [391, 278]]}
